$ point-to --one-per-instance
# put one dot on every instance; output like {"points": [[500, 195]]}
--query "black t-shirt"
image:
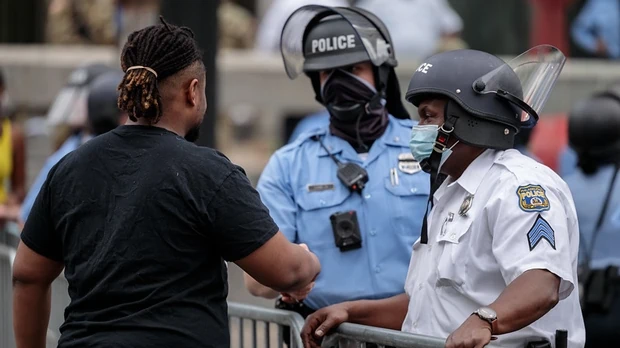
{"points": [[143, 221]]}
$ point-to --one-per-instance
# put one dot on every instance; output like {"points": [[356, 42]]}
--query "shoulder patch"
{"points": [[539, 231], [532, 198]]}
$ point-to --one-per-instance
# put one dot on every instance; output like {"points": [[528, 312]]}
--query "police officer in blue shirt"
{"points": [[351, 190], [594, 135]]}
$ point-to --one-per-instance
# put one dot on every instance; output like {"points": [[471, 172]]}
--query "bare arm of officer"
{"points": [[33, 275], [387, 313], [525, 300], [281, 265]]}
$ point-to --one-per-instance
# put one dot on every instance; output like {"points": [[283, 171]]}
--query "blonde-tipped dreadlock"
{"points": [[165, 49]]}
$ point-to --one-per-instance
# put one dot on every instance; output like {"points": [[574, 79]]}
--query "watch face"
{"points": [[487, 313]]}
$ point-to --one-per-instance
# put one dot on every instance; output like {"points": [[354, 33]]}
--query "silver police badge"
{"points": [[407, 164], [466, 205]]}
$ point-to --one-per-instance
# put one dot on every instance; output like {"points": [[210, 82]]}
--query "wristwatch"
{"points": [[487, 314]]}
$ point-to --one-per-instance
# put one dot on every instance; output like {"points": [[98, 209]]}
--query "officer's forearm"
{"points": [[525, 300], [257, 289], [387, 313]]}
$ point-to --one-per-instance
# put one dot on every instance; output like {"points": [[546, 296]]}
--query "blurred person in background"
{"points": [[270, 27], [12, 165], [522, 142], [594, 135], [97, 22], [596, 30], [143, 220], [103, 115], [350, 190], [419, 28], [237, 26], [67, 116]]}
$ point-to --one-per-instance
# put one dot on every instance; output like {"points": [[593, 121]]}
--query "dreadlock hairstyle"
{"points": [[150, 55]]}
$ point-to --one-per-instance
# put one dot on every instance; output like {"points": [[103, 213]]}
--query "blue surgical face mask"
{"points": [[422, 141], [446, 153]]}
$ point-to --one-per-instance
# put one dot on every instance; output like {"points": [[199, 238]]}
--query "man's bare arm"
{"points": [[281, 265], [33, 275]]}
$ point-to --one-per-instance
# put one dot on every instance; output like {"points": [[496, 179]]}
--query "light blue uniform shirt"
{"points": [[589, 194], [311, 122], [598, 19], [389, 214], [72, 143], [567, 162]]}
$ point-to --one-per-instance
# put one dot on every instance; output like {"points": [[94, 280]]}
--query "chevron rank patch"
{"points": [[539, 231], [532, 198]]}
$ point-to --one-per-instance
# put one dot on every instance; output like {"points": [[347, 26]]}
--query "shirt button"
{"points": [[420, 286], [453, 236], [377, 269], [322, 202], [414, 190], [373, 232], [396, 139], [415, 324], [367, 196]]}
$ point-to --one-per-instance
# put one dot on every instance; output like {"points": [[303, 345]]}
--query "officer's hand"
{"points": [[473, 333], [319, 323], [299, 295]]}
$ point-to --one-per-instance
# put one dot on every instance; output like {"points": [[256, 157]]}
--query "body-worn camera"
{"points": [[346, 230]]}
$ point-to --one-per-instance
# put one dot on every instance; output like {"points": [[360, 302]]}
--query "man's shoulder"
{"points": [[527, 177]]}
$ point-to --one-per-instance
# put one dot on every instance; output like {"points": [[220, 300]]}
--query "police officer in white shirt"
{"points": [[497, 256]]}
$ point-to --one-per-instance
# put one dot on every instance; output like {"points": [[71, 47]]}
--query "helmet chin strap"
{"points": [[431, 165]]}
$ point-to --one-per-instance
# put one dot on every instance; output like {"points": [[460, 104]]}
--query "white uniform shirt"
{"points": [[521, 217]]}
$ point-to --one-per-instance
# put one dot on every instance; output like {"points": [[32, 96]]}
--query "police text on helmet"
{"points": [[424, 68], [333, 43]]}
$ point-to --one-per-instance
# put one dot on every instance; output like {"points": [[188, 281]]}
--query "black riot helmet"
{"points": [[103, 112], [594, 130], [489, 100], [317, 38]]}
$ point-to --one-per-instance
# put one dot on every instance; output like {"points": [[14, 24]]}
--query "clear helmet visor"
{"points": [[526, 81], [292, 39], [69, 107]]}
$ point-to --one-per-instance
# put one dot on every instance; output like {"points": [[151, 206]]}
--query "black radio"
{"points": [[351, 175]]}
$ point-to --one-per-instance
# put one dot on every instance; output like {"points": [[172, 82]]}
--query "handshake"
{"points": [[292, 279], [301, 294]]}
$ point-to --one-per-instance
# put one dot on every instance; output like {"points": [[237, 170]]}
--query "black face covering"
{"points": [[357, 114]]}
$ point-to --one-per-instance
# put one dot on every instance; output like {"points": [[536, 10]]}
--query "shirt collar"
{"points": [[476, 171]]}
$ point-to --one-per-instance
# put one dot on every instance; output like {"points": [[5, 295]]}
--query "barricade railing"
{"points": [[7, 255], [254, 327], [349, 335]]}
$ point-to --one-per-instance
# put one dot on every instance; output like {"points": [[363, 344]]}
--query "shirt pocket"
{"points": [[407, 201], [452, 268], [315, 208]]}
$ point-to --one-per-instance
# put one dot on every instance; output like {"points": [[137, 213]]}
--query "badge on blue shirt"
{"points": [[532, 198]]}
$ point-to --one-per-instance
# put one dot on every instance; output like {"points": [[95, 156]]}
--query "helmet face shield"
{"points": [[297, 55], [536, 70]]}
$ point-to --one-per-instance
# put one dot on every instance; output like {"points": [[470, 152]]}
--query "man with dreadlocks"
{"points": [[142, 221]]}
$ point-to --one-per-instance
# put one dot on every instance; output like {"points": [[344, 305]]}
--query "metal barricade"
{"points": [[359, 336], [245, 331], [7, 255]]}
